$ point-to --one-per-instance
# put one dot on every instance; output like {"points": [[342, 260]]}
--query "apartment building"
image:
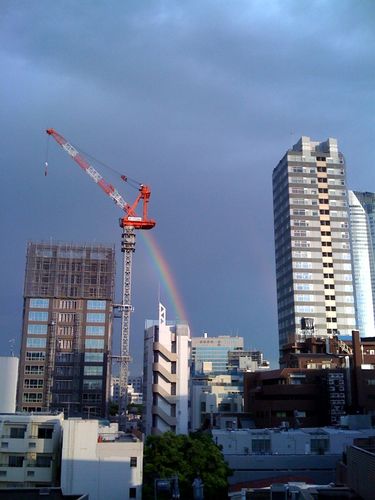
{"points": [[312, 243], [30, 449]]}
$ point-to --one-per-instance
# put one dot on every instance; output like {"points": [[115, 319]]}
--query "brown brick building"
{"points": [[324, 379]]}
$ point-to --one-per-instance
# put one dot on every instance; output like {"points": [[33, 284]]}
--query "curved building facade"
{"points": [[363, 264]]}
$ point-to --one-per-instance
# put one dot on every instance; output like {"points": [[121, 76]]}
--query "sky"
{"points": [[198, 99]]}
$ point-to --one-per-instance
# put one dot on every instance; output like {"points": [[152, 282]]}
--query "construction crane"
{"points": [[130, 222]]}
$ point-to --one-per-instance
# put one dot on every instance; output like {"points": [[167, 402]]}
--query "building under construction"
{"points": [[67, 329]]}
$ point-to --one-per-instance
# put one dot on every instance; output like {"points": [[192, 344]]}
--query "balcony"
{"points": [[29, 443], [26, 473]]}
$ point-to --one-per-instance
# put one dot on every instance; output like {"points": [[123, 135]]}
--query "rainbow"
{"points": [[165, 274]]}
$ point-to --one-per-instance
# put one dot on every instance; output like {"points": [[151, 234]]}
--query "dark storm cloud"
{"points": [[201, 98]]}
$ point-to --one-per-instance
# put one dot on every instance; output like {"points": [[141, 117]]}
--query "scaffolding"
{"points": [[70, 270]]}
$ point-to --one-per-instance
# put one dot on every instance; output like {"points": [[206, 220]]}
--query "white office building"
{"points": [[166, 375]]}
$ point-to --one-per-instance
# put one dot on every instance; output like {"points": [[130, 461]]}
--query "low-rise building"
{"points": [[280, 455], [212, 396], [300, 397], [30, 448], [100, 461]]}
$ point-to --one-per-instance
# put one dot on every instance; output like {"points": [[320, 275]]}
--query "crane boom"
{"points": [[131, 218], [129, 223]]}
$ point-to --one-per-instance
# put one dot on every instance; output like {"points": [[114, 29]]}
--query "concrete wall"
{"points": [[8, 386], [97, 464]]}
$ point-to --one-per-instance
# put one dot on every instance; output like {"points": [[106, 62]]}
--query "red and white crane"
{"points": [[129, 223]]}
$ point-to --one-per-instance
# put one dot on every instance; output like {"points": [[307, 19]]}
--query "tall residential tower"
{"points": [[67, 329], [312, 245]]}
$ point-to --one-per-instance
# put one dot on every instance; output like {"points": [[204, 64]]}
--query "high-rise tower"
{"points": [[67, 329], [362, 230], [312, 246]]}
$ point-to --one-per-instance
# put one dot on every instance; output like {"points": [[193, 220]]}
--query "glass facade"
{"points": [[41, 303], [33, 329], [96, 304], [362, 206], [38, 316], [210, 354], [95, 318]]}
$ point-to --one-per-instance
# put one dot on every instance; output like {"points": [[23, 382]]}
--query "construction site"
{"points": [[69, 303]]}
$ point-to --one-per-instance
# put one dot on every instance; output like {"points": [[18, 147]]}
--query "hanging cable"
{"points": [[132, 182], [46, 161]]}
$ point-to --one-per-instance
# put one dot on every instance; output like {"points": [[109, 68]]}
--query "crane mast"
{"points": [[129, 223]]}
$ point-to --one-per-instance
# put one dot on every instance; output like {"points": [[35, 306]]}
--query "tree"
{"points": [[188, 457]]}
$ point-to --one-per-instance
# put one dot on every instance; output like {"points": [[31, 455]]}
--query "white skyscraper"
{"points": [[166, 375], [363, 263]]}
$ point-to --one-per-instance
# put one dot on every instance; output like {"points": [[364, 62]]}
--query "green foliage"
{"points": [[187, 456], [113, 409]]}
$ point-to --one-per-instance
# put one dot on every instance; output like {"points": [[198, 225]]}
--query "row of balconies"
{"points": [[26, 445], [26, 473]]}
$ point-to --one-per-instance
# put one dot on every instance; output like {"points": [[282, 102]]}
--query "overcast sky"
{"points": [[197, 98]]}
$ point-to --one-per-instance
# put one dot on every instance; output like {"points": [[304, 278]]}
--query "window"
{"points": [[92, 384], [35, 356], [17, 432], [95, 330], [45, 432], [94, 357], [93, 370], [133, 461], [261, 445], [43, 460], [94, 344], [34, 369], [32, 383], [305, 309], [319, 445], [37, 342], [96, 304], [132, 492], [15, 461], [41, 303], [38, 316], [37, 329], [95, 318], [32, 397], [303, 276]]}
